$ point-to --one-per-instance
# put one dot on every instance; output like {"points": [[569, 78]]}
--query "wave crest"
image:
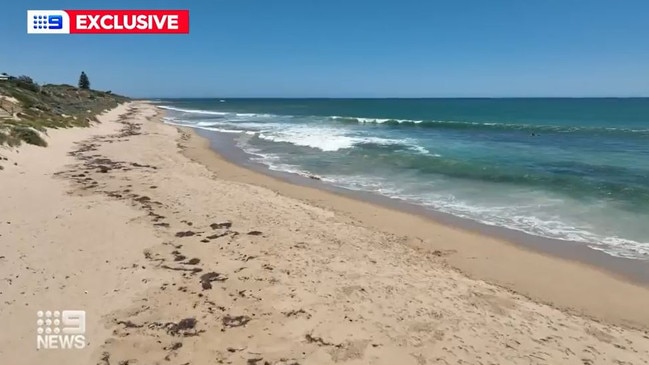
{"points": [[450, 124]]}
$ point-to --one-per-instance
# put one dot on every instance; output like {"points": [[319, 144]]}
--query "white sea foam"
{"points": [[207, 124], [422, 150], [169, 119], [331, 139], [323, 139], [254, 115], [193, 111], [363, 120], [229, 131], [272, 161], [214, 112], [225, 126]]}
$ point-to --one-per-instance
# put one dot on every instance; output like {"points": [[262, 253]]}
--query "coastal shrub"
{"points": [[6, 138], [26, 101], [28, 135], [39, 126], [25, 79], [26, 82]]}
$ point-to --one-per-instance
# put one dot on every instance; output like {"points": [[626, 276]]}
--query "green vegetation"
{"points": [[27, 83], [84, 82], [27, 109], [28, 135]]}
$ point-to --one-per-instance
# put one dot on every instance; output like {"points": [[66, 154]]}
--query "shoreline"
{"points": [[567, 280], [633, 270]]}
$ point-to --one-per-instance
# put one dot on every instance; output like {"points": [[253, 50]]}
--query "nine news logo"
{"points": [[48, 22], [107, 21], [61, 330]]}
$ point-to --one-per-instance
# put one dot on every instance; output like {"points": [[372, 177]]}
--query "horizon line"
{"points": [[390, 97]]}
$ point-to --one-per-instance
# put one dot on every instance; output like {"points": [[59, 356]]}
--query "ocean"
{"points": [[570, 169]]}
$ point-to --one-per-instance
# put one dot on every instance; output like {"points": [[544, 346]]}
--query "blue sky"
{"points": [[348, 48]]}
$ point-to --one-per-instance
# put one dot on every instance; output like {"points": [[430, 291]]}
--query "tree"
{"points": [[84, 83], [26, 82], [25, 79]]}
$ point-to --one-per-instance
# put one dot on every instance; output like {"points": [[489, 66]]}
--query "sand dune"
{"points": [[176, 263]]}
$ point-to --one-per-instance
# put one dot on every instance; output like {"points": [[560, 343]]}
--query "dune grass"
{"points": [[49, 106]]}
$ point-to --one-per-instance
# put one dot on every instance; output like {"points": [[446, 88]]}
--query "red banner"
{"points": [[128, 21]]}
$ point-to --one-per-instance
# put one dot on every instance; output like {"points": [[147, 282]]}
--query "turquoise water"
{"points": [[569, 169]]}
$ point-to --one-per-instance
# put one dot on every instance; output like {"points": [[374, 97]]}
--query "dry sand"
{"points": [[178, 262]]}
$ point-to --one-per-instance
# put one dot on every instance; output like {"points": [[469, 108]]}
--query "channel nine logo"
{"points": [[107, 21], [48, 22], [64, 330]]}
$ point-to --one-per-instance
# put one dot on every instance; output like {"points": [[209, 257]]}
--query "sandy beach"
{"points": [[181, 257]]}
